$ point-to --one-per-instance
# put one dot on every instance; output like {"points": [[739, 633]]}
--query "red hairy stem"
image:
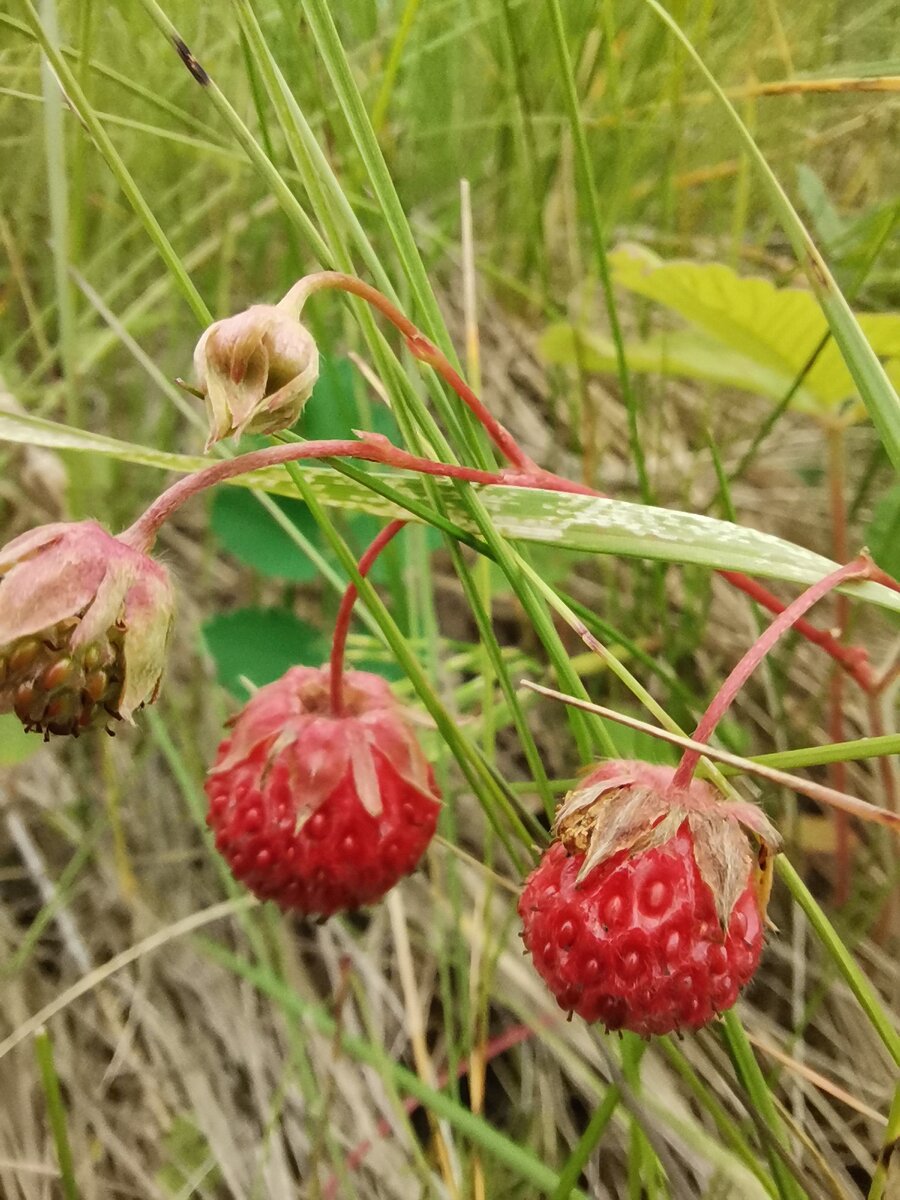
{"points": [[858, 569], [421, 348], [373, 448], [342, 623], [853, 659]]}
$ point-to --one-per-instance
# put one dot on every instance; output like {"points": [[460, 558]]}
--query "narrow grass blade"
{"points": [[526, 1165], [875, 388], [56, 1112], [86, 114]]}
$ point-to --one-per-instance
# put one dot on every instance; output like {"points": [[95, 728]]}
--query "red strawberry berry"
{"points": [[647, 913], [321, 812]]}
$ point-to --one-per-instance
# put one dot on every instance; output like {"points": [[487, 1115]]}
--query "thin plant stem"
{"points": [[837, 477], [586, 1145], [420, 347], [371, 448], [345, 611], [56, 1112], [858, 569], [852, 658]]}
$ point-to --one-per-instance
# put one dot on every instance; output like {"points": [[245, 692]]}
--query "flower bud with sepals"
{"points": [[84, 622], [256, 370]]}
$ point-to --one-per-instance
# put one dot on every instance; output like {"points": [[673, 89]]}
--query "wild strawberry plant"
{"points": [[645, 909]]}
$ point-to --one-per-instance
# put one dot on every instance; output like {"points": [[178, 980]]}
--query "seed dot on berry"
{"points": [[614, 909], [655, 897], [631, 964], [566, 934], [316, 826], [717, 959]]}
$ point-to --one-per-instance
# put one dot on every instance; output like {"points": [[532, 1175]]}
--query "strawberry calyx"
{"points": [[634, 806]]}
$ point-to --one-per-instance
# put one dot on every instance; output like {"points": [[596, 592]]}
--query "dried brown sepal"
{"points": [[633, 807]]}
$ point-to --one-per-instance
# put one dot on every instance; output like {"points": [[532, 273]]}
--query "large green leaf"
{"points": [[764, 335], [567, 521], [259, 645], [685, 352]]}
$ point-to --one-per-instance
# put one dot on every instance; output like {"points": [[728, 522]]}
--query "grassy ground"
{"points": [[162, 1036]]}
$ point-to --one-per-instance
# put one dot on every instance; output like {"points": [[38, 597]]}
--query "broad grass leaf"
{"points": [[592, 525]]}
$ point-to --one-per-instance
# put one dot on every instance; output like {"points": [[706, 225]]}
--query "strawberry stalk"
{"points": [[342, 623], [370, 447], [852, 659], [860, 568]]}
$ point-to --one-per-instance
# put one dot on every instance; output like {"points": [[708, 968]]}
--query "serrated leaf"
{"points": [[883, 534], [255, 538], [260, 644], [685, 352], [15, 744], [775, 327]]}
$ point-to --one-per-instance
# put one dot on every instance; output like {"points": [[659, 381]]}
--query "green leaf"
{"points": [[259, 644], [883, 534], [685, 352], [253, 537], [15, 744], [331, 411], [777, 328]]}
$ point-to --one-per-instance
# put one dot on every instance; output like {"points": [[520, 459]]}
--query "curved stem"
{"points": [[342, 623], [419, 346], [369, 448], [853, 659], [859, 568]]}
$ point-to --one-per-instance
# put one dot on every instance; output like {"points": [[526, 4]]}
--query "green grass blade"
{"points": [[526, 1165], [116, 163], [56, 1112], [875, 388], [591, 202]]}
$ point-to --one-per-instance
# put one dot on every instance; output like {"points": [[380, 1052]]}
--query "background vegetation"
{"points": [[163, 1036]]}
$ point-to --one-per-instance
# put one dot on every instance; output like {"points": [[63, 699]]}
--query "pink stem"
{"points": [[860, 568], [852, 659], [425, 351], [342, 623], [369, 448]]}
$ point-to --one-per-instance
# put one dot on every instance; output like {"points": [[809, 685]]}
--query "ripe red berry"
{"points": [[321, 812], [647, 913]]}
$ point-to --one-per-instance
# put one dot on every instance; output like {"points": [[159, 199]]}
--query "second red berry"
{"points": [[322, 813]]}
